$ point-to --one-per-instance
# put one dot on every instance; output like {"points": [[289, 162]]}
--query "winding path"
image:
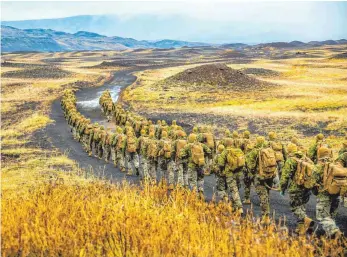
{"points": [[88, 104]]}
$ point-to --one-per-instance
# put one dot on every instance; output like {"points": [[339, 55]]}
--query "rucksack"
{"points": [[198, 154], [319, 145], [278, 148], [334, 178], [167, 149], [181, 143], [138, 126], [209, 140], [304, 173], [131, 145], [267, 163], [152, 150], [96, 134], [235, 159], [120, 142]]}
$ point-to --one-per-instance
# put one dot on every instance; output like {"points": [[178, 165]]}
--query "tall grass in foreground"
{"points": [[102, 219]]}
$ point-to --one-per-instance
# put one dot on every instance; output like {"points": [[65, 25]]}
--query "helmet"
{"points": [[174, 122], [295, 140], [272, 135], [235, 134], [119, 130], [320, 136], [228, 142], [260, 140], [324, 153], [192, 138], [220, 148], [164, 134], [151, 134], [143, 132], [127, 123], [227, 133], [158, 122], [163, 122], [344, 144], [195, 129], [102, 127], [246, 134], [292, 148]]}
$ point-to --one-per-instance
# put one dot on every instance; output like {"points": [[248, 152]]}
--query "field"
{"points": [[64, 209]]}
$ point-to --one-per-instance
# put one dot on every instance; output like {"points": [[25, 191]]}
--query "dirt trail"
{"points": [[61, 138]]}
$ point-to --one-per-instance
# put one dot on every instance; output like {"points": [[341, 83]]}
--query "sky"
{"points": [[217, 22]]}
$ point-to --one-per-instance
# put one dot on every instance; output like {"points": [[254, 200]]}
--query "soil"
{"points": [[340, 56], [219, 75], [50, 72], [261, 72]]}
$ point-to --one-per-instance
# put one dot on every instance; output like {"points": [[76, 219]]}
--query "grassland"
{"points": [[311, 97], [50, 207]]}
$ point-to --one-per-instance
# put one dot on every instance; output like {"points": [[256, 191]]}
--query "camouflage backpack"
{"points": [[138, 126], [267, 163], [131, 144], [120, 141], [181, 143], [235, 159], [304, 173], [198, 157], [237, 142], [167, 149], [96, 135], [334, 178], [152, 150], [278, 148], [209, 140]]}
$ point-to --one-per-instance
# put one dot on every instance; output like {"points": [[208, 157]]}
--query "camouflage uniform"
{"points": [[195, 172], [181, 164], [248, 178], [120, 151], [342, 160], [312, 152], [152, 160], [299, 195], [132, 158], [327, 204], [166, 162], [143, 144], [262, 185], [281, 153], [203, 138], [106, 145], [220, 181], [102, 136], [230, 178]]}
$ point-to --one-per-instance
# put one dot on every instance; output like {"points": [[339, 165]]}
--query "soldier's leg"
{"points": [[161, 169], [121, 160], [113, 155], [263, 193], [335, 201], [221, 187], [171, 172], [108, 153], [185, 174], [192, 177], [323, 213], [136, 161], [248, 183], [100, 150], [234, 192], [297, 203], [200, 179], [180, 180], [153, 170], [145, 166], [95, 148], [128, 158]]}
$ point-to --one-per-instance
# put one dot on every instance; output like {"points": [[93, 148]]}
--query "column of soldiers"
{"points": [[158, 151]]}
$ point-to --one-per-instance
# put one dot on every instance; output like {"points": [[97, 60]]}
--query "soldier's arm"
{"points": [[287, 173], [206, 149], [251, 160], [221, 159], [312, 152]]}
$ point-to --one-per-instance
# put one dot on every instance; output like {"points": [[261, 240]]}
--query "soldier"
{"points": [[227, 135], [312, 152], [100, 139], [152, 154], [328, 195], [280, 154], [261, 162], [109, 111], [143, 144], [206, 137], [94, 140], [248, 177], [120, 150], [231, 162], [85, 139], [299, 183], [181, 164], [342, 161], [220, 182], [113, 144], [301, 148], [165, 156], [132, 158], [106, 144], [195, 152]]}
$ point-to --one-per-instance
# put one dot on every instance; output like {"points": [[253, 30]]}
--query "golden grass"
{"points": [[101, 219]]}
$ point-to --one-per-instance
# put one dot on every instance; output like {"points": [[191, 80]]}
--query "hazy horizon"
{"points": [[220, 22]]}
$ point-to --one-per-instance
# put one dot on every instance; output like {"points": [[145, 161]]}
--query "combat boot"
{"points": [[265, 220], [304, 226]]}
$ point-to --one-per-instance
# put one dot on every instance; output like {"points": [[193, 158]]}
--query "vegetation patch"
{"points": [[46, 72]]}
